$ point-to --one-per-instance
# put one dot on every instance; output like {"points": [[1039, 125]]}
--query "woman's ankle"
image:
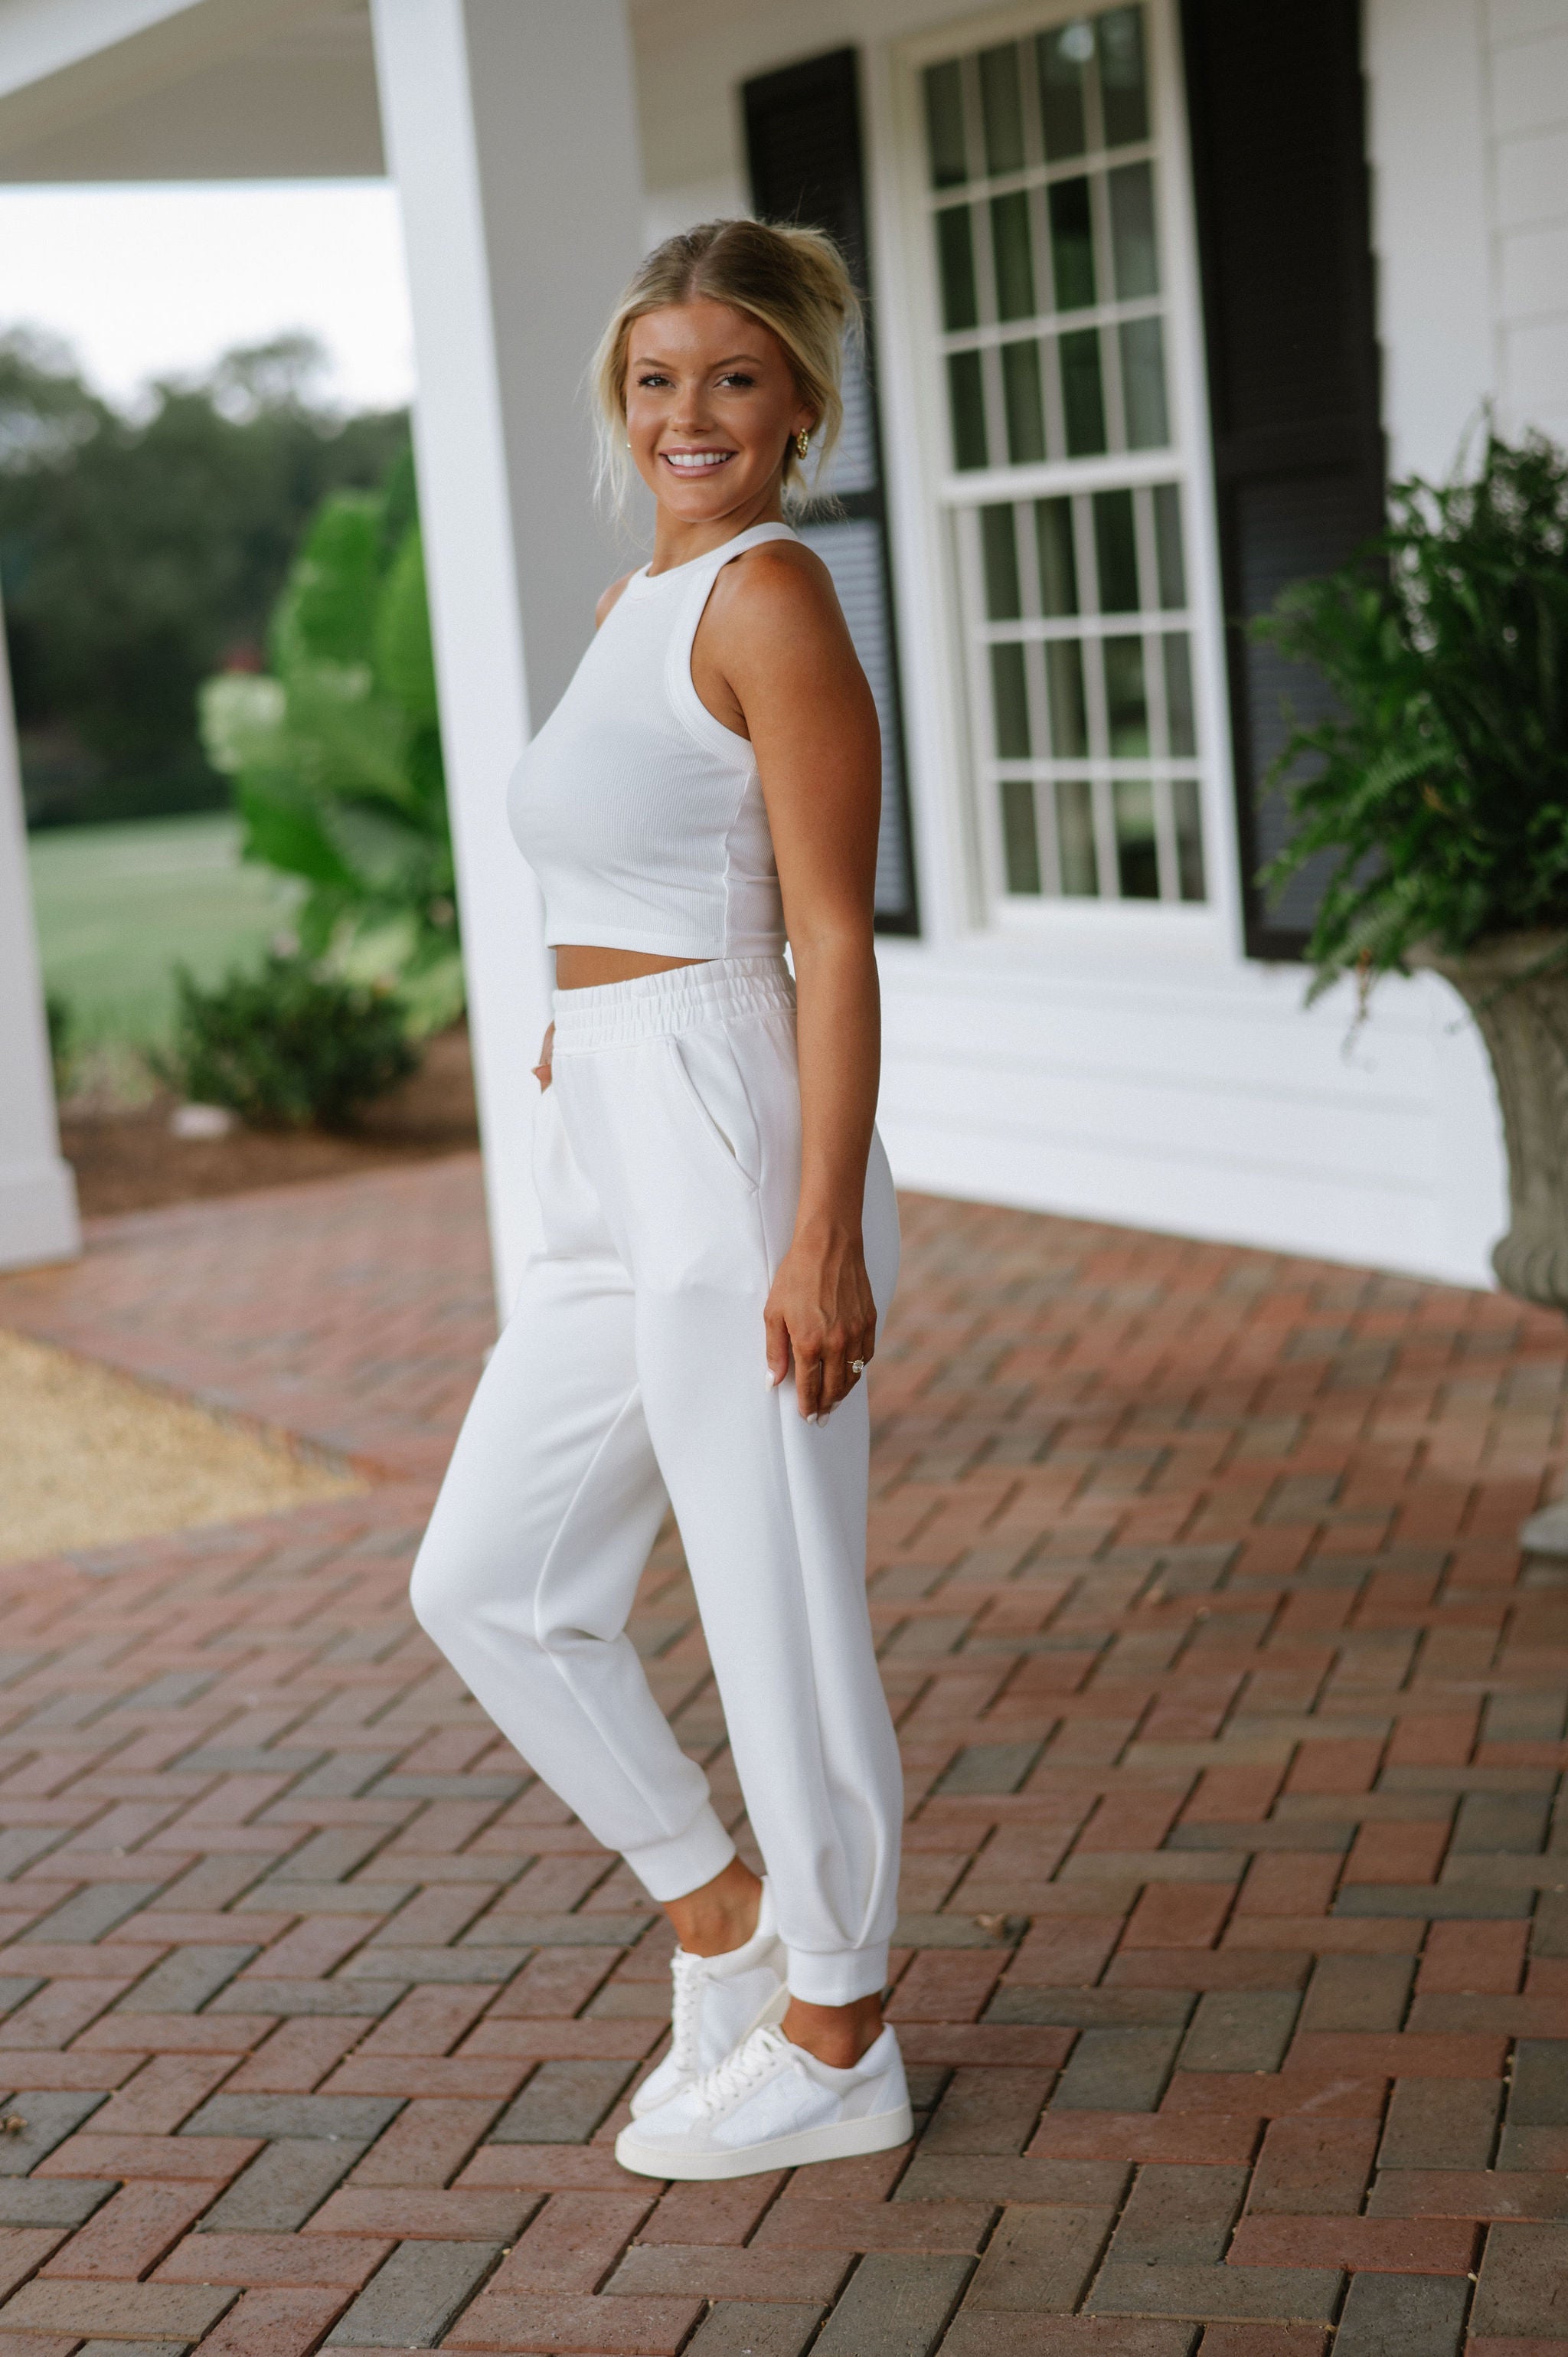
{"points": [[838, 2035], [721, 1916]]}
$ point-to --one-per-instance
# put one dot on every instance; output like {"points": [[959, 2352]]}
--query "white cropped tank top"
{"points": [[640, 815]]}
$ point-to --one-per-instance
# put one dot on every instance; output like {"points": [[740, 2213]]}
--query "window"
{"points": [[1064, 474]]}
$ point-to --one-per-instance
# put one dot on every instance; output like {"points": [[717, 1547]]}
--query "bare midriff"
{"points": [[580, 968]]}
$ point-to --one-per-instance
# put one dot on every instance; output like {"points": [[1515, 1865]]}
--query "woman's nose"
{"points": [[693, 414]]}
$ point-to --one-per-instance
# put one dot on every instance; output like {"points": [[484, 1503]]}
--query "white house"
{"points": [[1162, 292]]}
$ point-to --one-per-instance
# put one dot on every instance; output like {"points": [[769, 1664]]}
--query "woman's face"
{"points": [[711, 405]]}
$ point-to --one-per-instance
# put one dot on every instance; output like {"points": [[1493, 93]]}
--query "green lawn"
{"points": [[117, 906]]}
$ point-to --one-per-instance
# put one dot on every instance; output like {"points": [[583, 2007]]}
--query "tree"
{"points": [[139, 552]]}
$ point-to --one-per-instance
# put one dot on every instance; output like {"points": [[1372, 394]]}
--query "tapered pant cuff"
{"points": [[839, 1978], [669, 1869]]}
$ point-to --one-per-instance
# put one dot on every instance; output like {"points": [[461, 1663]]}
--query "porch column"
{"points": [[38, 1190], [512, 134]]}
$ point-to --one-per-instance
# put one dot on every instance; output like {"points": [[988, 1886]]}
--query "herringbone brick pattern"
{"points": [[1233, 1972]]}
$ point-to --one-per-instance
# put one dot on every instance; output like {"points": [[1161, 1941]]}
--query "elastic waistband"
{"points": [[616, 1013]]}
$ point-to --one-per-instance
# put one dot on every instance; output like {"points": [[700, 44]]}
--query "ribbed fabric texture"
{"points": [[640, 815]]}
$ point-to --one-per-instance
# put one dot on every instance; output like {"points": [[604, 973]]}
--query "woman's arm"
{"points": [[775, 636]]}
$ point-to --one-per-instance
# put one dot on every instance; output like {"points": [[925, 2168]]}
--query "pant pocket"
{"points": [[708, 1078]]}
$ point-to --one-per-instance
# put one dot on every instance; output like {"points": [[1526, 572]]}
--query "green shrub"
{"points": [[286, 1047], [1441, 788], [336, 754]]}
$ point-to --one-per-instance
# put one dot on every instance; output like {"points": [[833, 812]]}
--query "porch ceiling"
{"points": [[211, 90]]}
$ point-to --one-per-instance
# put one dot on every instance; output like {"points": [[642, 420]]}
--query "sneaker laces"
{"points": [[756, 2058], [689, 1972]]}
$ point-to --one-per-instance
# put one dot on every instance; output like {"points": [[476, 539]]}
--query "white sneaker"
{"points": [[772, 2105], [719, 2001]]}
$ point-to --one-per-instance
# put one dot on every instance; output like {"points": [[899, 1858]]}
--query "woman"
{"points": [[720, 1235]]}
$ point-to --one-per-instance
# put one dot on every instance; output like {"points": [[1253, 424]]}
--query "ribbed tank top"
{"points": [[640, 815]]}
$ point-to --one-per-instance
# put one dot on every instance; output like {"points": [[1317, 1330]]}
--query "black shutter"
{"points": [[802, 134], [1275, 101]]}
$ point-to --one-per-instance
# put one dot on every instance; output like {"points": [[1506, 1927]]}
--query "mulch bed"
{"points": [[132, 1161]]}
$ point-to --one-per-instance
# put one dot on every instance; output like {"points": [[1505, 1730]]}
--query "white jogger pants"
{"points": [[633, 1373]]}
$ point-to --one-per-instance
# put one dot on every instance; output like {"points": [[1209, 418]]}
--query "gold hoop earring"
{"points": [[803, 441]]}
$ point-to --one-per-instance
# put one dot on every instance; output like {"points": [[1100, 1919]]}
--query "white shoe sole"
{"points": [[844, 2140], [772, 2011]]}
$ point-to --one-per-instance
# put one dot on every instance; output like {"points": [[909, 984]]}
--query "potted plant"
{"points": [[1437, 798]]}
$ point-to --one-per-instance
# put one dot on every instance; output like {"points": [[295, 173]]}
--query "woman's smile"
{"points": [[695, 461]]}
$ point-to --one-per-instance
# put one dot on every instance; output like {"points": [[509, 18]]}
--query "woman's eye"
{"points": [[650, 382], [736, 376]]}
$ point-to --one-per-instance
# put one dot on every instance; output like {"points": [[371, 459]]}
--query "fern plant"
{"points": [[1441, 787], [336, 754]]}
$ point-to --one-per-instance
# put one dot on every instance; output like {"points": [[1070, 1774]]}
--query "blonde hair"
{"points": [[793, 280]]}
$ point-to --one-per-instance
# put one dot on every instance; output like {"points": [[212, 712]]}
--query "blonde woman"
{"points": [[720, 1235]]}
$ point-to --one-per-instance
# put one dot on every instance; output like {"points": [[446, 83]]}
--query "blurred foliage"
{"points": [[1441, 787], [336, 753], [286, 1047], [62, 1039], [139, 552]]}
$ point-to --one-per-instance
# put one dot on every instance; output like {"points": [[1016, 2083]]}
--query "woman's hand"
{"points": [[547, 1048], [820, 1314]]}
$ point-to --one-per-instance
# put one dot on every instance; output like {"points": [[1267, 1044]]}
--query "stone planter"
{"points": [[1524, 1023]]}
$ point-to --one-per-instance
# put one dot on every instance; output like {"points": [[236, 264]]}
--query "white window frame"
{"points": [[969, 826]]}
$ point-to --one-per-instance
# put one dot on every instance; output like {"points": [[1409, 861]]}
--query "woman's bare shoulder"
{"points": [[781, 584], [610, 599]]}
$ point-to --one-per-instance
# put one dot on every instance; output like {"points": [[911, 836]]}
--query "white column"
{"points": [[512, 134], [37, 1189]]}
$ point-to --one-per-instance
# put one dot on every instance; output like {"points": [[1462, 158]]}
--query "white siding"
{"points": [[1469, 135], [1528, 41]]}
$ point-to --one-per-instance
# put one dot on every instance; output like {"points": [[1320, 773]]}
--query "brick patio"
{"points": [[1233, 1976]]}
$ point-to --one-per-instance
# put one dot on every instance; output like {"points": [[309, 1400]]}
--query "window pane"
{"points": [[1137, 852], [1132, 232], [1189, 839], [1074, 838], [1178, 695], [1083, 394], [1020, 842], [966, 398], [955, 254], [1014, 251], [1122, 92], [1116, 551], [1002, 108], [1126, 705], [944, 126], [1010, 699], [1167, 541], [1021, 400], [1069, 724], [999, 549], [1060, 56], [1143, 382], [1058, 563], [1072, 244]]}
